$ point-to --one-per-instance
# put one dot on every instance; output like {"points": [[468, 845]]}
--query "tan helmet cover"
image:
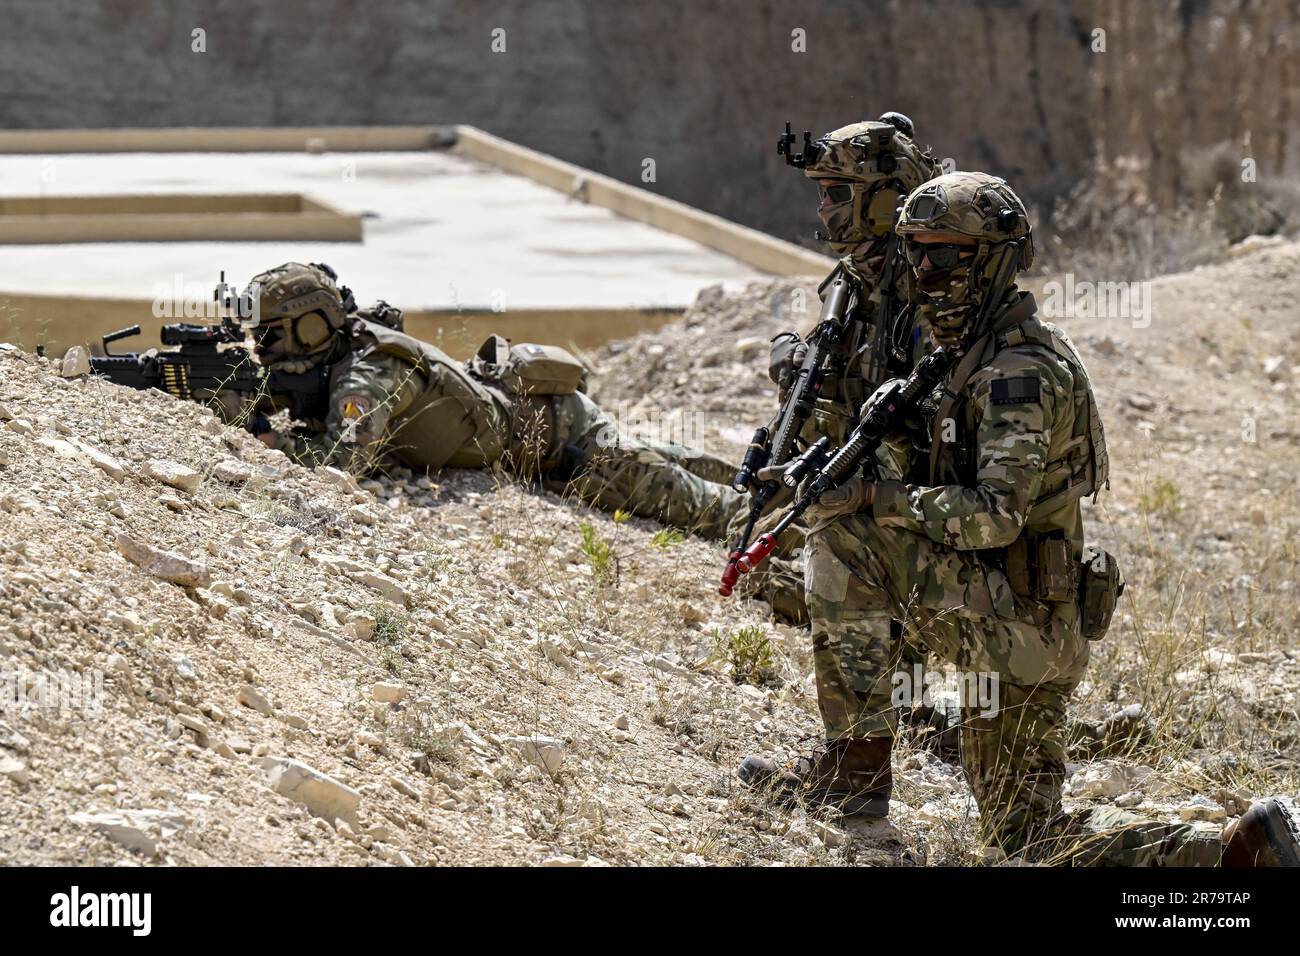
{"points": [[882, 163], [303, 302], [975, 205]]}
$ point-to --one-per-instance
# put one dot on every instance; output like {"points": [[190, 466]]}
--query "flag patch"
{"points": [[1015, 391]]}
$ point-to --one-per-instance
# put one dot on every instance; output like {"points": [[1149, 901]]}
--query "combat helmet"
{"points": [[301, 310], [982, 217], [863, 171]]}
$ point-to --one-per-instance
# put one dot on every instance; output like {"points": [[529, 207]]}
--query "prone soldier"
{"points": [[386, 396]]}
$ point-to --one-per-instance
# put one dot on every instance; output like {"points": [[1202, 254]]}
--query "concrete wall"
{"points": [[702, 89]]}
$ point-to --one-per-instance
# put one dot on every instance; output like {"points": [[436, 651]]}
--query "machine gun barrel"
{"points": [[198, 367]]}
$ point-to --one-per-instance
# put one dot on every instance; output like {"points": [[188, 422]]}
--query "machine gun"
{"points": [[820, 470], [198, 364], [198, 368]]}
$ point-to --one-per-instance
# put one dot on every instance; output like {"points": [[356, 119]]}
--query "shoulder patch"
{"points": [[353, 407], [1015, 391]]}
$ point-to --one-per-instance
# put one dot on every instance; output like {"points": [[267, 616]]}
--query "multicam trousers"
{"points": [[861, 575], [679, 486]]}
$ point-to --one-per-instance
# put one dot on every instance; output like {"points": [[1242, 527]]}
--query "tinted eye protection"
{"points": [[941, 255], [835, 194], [267, 335]]}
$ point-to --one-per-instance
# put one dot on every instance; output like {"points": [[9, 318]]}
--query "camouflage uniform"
{"points": [[389, 395], [883, 163], [980, 560], [849, 380], [943, 558]]}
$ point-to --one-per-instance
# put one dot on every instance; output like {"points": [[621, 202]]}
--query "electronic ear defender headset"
{"points": [[310, 331], [302, 309], [879, 214], [1008, 220]]}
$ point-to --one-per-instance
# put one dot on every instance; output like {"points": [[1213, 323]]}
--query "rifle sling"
{"points": [[971, 360]]}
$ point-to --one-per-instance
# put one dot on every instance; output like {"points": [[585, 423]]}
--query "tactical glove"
{"points": [[853, 496], [787, 354]]}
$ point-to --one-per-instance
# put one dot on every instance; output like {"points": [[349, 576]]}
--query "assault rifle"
{"points": [[883, 414], [820, 470], [199, 368], [774, 445]]}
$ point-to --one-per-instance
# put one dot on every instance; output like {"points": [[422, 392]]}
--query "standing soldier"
{"points": [[385, 395], [982, 555], [862, 173]]}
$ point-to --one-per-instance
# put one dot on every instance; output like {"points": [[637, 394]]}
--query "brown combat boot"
{"points": [[1265, 835], [852, 775]]}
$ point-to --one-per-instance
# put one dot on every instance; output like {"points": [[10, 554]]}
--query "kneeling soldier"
{"points": [[979, 551]]}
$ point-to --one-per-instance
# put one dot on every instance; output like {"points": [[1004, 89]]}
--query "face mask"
{"points": [[948, 328], [947, 297], [835, 210], [950, 284]]}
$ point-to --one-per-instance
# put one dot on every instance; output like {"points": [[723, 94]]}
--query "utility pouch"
{"points": [[1100, 588], [1041, 569], [528, 369], [543, 370], [1057, 574]]}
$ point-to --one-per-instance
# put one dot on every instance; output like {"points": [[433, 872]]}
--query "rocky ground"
{"points": [[300, 669], [297, 668]]}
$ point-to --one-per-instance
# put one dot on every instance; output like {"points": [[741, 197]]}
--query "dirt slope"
{"points": [[479, 686], [309, 597]]}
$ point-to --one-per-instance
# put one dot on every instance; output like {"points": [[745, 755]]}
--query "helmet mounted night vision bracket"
{"points": [[798, 160], [240, 309]]}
